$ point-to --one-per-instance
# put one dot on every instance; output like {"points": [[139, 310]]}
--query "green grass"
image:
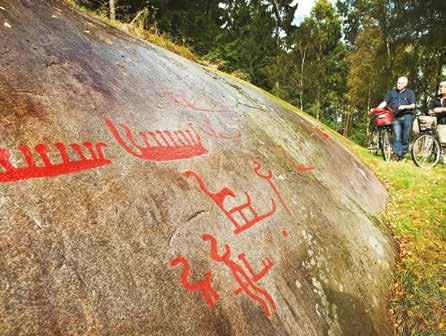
{"points": [[416, 214]]}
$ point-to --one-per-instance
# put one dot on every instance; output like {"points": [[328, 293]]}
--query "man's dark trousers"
{"points": [[401, 126]]}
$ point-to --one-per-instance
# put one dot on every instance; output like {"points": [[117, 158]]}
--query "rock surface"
{"points": [[142, 194]]}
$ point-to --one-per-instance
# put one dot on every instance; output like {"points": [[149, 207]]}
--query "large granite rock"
{"points": [[144, 194]]}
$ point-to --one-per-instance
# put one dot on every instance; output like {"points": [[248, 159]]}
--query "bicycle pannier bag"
{"points": [[426, 123], [441, 131], [384, 118]]}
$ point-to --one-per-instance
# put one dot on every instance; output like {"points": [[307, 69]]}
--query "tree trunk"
{"points": [[369, 102], [347, 123], [302, 64], [113, 9], [388, 60], [278, 24]]}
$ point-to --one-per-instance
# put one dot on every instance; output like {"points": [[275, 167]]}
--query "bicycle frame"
{"points": [[384, 135]]}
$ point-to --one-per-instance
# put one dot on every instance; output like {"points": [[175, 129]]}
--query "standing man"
{"points": [[439, 109], [402, 101]]}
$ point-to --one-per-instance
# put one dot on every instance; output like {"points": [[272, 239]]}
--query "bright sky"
{"points": [[303, 10]]}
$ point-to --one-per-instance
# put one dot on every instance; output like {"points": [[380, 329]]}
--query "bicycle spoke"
{"points": [[426, 151]]}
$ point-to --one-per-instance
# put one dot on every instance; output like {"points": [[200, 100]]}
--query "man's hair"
{"points": [[404, 79], [443, 83]]}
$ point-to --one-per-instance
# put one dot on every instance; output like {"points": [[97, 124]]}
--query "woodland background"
{"points": [[336, 64]]}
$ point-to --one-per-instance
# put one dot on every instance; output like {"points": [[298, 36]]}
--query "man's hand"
{"points": [[406, 107], [439, 110], [382, 105]]}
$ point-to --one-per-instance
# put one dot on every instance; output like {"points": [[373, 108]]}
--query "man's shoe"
{"points": [[395, 157]]}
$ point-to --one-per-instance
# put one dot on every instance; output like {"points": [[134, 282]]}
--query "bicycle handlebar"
{"points": [[379, 110]]}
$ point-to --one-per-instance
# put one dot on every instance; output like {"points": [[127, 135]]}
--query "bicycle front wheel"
{"points": [[426, 151], [386, 144], [374, 142]]}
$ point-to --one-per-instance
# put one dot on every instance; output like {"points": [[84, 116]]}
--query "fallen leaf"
{"points": [[7, 25]]}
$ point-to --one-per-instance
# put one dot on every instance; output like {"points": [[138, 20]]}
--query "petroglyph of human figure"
{"points": [[247, 284], [204, 286]]}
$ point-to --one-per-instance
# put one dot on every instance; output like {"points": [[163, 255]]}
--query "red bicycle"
{"points": [[381, 136]]}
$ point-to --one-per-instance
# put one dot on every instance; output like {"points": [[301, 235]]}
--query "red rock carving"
{"points": [[268, 177], [301, 168], [210, 131], [204, 286], [320, 132], [182, 101], [219, 198], [267, 265], [49, 169], [160, 145], [246, 283]]}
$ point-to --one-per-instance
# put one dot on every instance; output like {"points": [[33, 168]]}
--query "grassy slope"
{"points": [[137, 31], [415, 213]]}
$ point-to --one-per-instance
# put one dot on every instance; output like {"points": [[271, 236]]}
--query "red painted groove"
{"points": [[219, 198], [319, 131], [246, 283], [92, 159], [159, 145], [204, 286], [209, 130], [268, 177], [301, 168], [182, 101]]}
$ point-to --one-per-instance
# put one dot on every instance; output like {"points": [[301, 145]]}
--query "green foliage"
{"points": [[246, 42], [388, 39], [311, 70]]}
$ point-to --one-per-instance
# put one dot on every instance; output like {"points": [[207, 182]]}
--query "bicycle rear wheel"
{"points": [[426, 151], [386, 144]]}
